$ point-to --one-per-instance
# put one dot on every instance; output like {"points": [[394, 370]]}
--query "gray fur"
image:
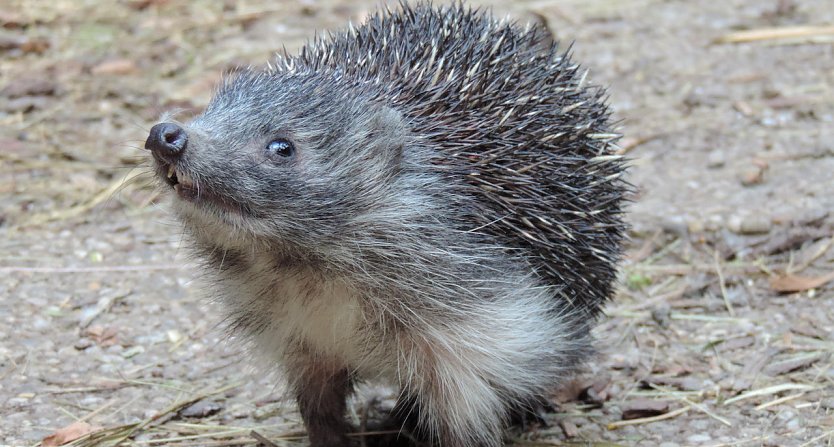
{"points": [[450, 221]]}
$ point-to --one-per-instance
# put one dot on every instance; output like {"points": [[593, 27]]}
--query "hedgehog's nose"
{"points": [[167, 141]]}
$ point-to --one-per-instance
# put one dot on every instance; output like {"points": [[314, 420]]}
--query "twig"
{"points": [[626, 145], [791, 32], [779, 401], [173, 439], [648, 420], [696, 405], [102, 306], [173, 409], [723, 286], [262, 439], [821, 251], [77, 210], [769, 390]]}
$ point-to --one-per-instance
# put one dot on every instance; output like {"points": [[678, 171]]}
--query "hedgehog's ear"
{"points": [[387, 134]]}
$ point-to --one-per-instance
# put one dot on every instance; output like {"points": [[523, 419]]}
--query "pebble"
{"points": [[749, 224], [751, 177], [696, 226], [786, 415], [754, 174], [698, 439], [714, 223], [269, 410], [83, 344], [661, 315], [201, 409], [699, 424], [716, 159], [676, 225], [134, 351]]}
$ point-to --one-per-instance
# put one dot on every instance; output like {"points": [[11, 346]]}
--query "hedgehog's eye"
{"points": [[280, 147]]}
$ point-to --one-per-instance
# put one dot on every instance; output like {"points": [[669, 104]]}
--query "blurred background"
{"points": [[723, 330]]}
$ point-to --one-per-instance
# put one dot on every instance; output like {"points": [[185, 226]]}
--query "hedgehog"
{"points": [[432, 199]]}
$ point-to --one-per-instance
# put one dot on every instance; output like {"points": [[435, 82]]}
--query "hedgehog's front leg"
{"points": [[322, 389]]}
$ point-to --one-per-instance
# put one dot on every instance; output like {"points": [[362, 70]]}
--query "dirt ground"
{"points": [[722, 333]]}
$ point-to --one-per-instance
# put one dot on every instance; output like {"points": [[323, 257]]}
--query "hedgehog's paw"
{"points": [[531, 415]]}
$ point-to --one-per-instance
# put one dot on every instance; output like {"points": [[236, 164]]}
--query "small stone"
{"points": [[743, 108], [698, 439], [696, 226], [568, 428], [755, 225], [132, 352], [83, 344], [675, 225], [793, 424], [715, 222], [734, 224], [267, 411], [749, 224], [201, 409], [661, 314], [751, 176], [754, 174], [689, 384], [699, 425], [716, 159]]}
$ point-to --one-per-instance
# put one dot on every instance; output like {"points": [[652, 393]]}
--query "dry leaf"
{"points": [[794, 283], [36, 46], [68, 434], [115, 67], [103, 336]]}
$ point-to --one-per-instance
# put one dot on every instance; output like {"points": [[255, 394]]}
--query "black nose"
{"points": [[167, 141]]}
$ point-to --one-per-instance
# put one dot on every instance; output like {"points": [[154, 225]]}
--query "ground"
{"points": [[722, 331]]}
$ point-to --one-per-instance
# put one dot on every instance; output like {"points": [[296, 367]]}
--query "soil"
{"points": [[722, 332]]}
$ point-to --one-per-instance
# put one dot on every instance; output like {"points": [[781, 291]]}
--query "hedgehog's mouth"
{"points": [[189, 190], [182, 183]]}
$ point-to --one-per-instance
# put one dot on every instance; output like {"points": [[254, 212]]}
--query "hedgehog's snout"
{"points": [[167, 142]]}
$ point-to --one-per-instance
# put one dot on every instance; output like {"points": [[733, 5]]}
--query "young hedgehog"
{"points": [[430, 198]]}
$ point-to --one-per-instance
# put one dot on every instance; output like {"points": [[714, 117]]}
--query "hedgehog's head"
{"points": [[281, 157]]}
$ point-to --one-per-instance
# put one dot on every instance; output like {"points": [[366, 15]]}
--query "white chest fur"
{"points": [[299, 306], [325, 314]]}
